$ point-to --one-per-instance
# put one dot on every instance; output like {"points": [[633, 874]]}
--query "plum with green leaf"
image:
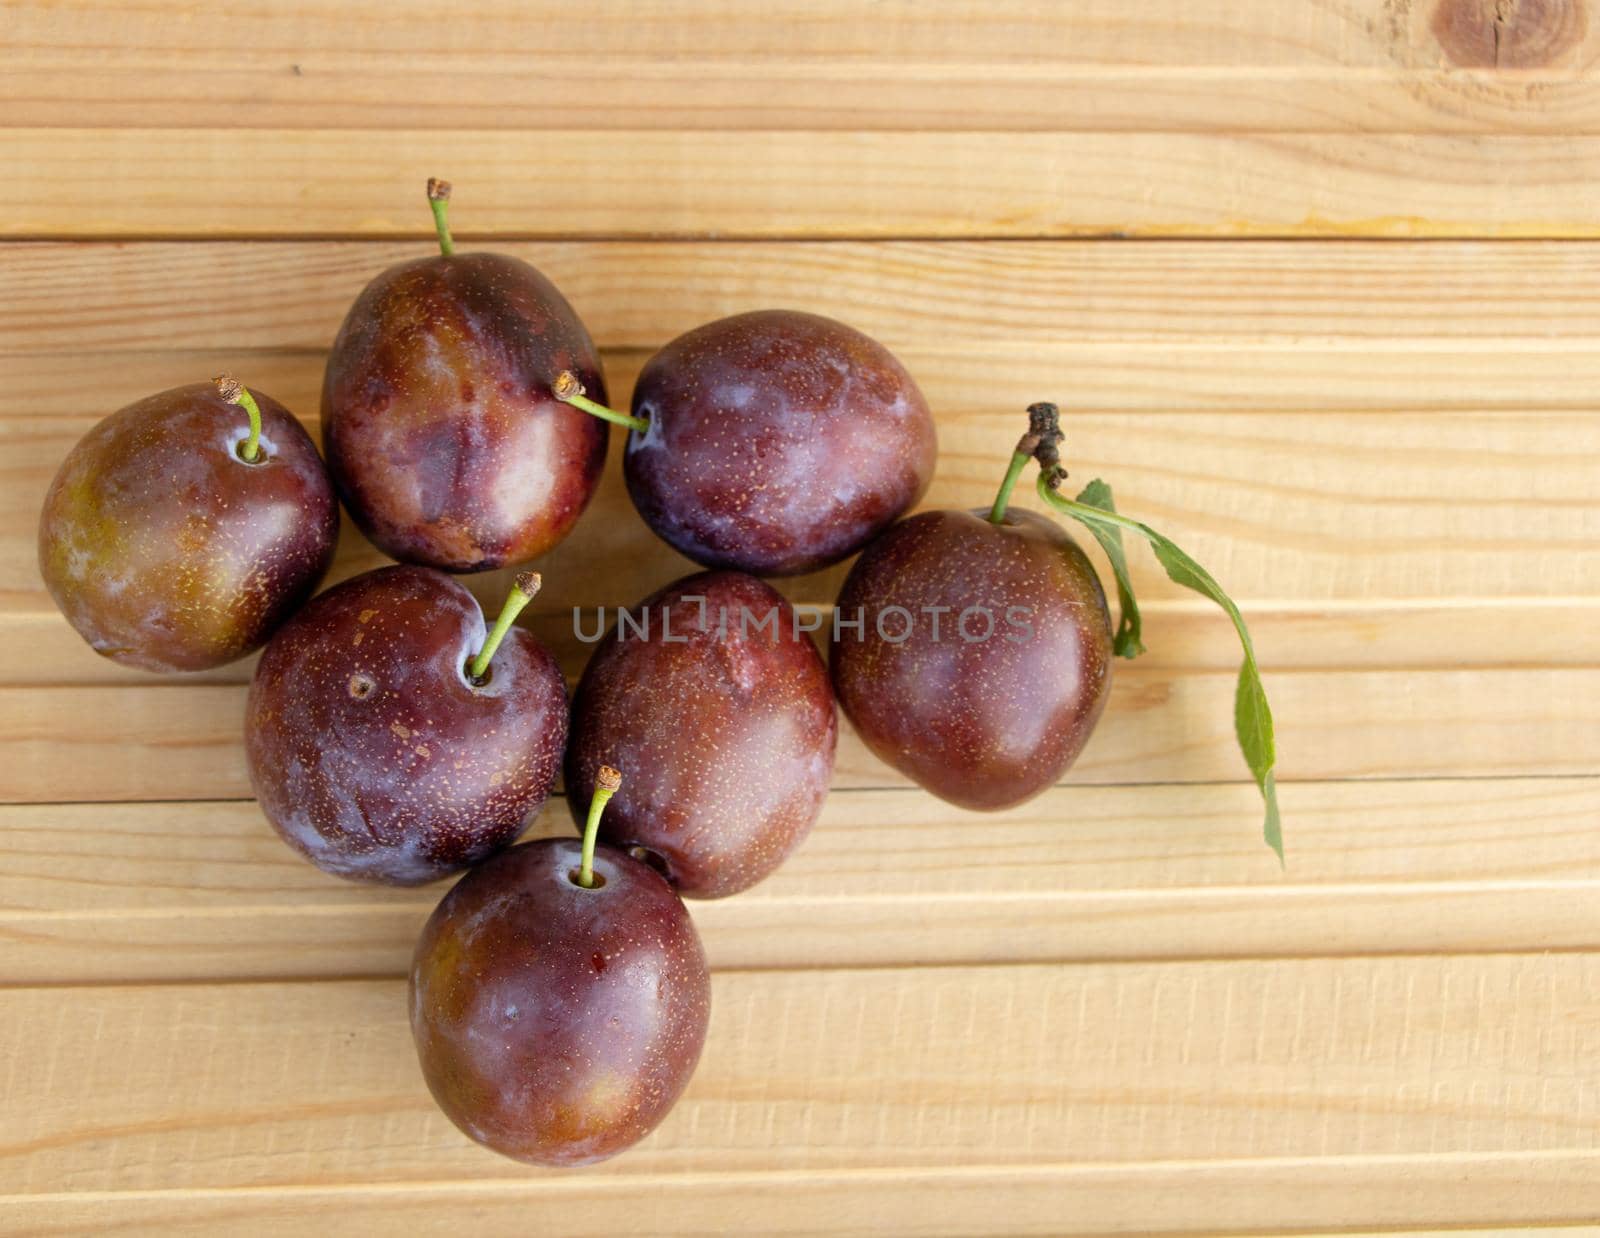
{"points": [[972, 650], [990, 721]]}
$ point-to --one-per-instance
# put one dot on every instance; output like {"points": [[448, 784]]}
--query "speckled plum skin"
{"points": [[557, 1024], [441, 433], [372, 753], [983, 723], [779, 442], [726, 731], [167, 551]]}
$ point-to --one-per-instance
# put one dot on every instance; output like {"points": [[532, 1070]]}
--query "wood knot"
{"points": [[1508, 34]]}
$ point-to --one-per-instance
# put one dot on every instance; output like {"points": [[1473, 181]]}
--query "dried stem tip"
{"points": [[438, 190], [566, 388], [605, 783], [234, 392], [1043, 442], [529, 583]]}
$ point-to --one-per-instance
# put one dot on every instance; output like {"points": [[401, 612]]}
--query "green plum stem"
{"points": [[439, 200], [606, 783], [1019, 461], [235, 392], [569, 390], [521, 593]]}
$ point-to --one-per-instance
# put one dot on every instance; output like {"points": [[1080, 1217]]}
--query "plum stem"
{"points": [[569, 390], [234, 392], [439, 200], [1019, 461], [522, 591], [606, 783]]}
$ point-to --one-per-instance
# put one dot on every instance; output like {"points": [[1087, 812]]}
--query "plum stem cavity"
{"points": [[234, 392], [522, 591]]}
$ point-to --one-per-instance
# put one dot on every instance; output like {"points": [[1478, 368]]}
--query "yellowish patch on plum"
{"points": [[441, 979], [606, 1101], [609, 1097]]}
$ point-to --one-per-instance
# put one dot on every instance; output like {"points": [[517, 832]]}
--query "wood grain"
{"points": [[171, 740], [1104, 65], [206, 891], [1225, 375], [1364, 297], [214, 182]]}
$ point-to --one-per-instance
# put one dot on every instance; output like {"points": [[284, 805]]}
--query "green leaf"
{"points": [[1127, 642], [1252, 716]]}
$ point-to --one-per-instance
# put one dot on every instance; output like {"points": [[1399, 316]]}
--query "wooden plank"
{"points": [[1358, 66], [1366, 297], [1229, 375], [211, 182], [210, 1087], [171, 740], [1309, 509], [1168, 1198], [164, 892]]}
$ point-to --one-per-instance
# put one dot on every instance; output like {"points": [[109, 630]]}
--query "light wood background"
{"points": [[1319, 286]]}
